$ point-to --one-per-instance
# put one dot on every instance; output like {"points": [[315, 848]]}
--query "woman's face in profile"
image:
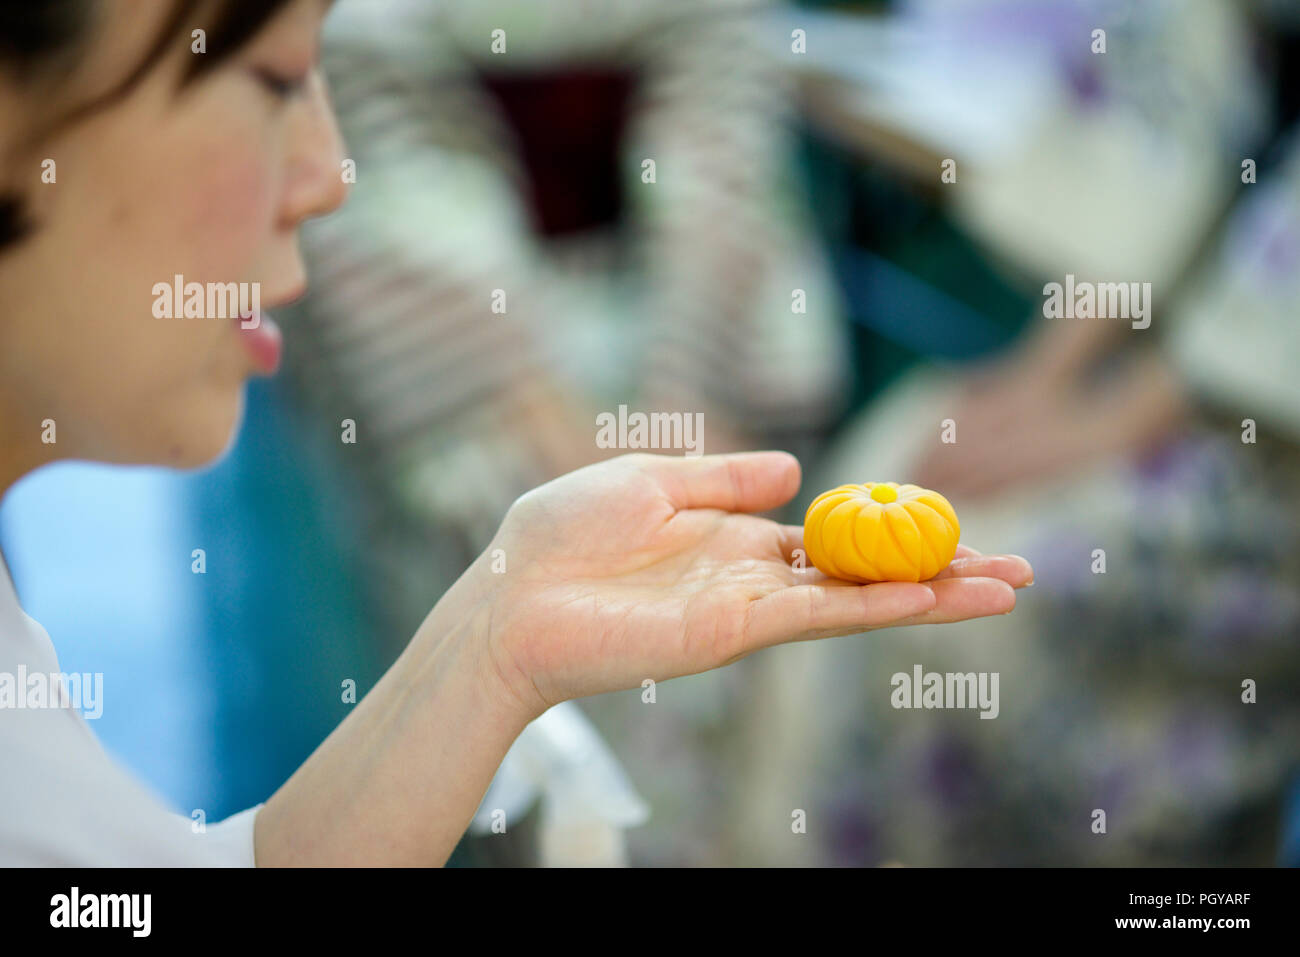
{"points": [[209, 181]]}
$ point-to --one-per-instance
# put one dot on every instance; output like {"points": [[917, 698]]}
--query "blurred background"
{"points": [[741, 209]]}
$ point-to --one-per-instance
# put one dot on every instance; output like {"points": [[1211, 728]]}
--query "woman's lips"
{"points": [[262, 340]]}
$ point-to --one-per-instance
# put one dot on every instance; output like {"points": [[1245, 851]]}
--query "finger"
{"points": [[832, 608], [1012, 569], [965, 551], [735, 482], [958, 599]]}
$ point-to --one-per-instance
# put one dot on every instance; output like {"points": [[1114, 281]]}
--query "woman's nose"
{"points": [[316, 176]]}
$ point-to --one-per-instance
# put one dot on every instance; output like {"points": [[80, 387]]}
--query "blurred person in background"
{"points": [[501, 175], [1150, 473]]}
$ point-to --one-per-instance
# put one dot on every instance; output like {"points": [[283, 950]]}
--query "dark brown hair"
{"points": [[40, 34]]}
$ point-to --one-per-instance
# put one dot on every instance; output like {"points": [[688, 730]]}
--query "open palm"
{"points": [[646, 566]]}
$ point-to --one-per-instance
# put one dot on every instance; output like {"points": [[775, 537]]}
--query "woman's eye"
{"points": [[282, 87]]}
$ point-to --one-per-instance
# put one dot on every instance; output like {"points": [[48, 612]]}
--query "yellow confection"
{"points": [[880, 531]]}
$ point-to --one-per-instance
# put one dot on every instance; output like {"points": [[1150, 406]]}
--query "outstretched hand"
{"points": [[649, 566]]}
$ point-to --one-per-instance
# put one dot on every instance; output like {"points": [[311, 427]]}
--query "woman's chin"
{"points": [[202, 440], [197, 457]]}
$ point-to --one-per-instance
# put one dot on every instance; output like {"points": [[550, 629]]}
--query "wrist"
{"points": [[399, 780], [465, 634]]}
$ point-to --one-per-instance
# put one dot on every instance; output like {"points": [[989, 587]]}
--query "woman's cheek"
{"points": [[231, 213], [234, 215]]}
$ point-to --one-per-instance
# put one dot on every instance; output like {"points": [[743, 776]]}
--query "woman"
{"points": [[192, 139]]}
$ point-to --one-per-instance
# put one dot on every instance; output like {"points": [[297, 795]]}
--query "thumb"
{"points": [[735, 482]]}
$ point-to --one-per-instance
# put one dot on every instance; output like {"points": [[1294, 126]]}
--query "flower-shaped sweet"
{"points": [[880, 531]]}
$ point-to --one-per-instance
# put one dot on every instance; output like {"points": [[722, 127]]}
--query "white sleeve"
{"points": [[76, 806], [65, 801], [229, 843]]}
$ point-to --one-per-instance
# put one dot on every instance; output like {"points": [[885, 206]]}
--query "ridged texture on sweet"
{"points": [[848, 534]]}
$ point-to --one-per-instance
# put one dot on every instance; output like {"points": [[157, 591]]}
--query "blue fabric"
{"points": [[283, 620], [910, 312]]}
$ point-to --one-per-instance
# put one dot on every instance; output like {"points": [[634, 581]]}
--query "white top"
{"points": [[63, 799]]}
